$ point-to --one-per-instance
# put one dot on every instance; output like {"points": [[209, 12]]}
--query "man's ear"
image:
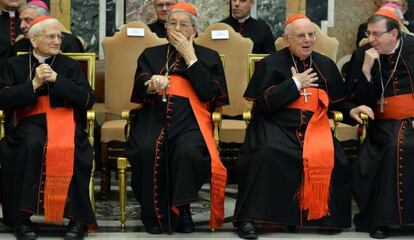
{"points": [[285, 39], [33, 41]]}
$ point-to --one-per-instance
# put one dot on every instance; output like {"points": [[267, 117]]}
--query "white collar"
{"points": [[243, 19], [39, 58], [11, 13]]}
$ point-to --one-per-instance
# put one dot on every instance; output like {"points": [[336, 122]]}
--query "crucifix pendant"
{"points": [[382, 103], [164, 91], [305, 94]]}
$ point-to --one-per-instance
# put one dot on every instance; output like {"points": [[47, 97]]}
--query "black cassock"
{"points": [[21, 151], [384, 170], [70, 44], [158, 28], [188, 157], [270, 165], [257, 30], [5, 31]]}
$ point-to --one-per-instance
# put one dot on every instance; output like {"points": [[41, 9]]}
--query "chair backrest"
{"points": [[236, 49], [87, 63], [324, 44], [121, 53]]}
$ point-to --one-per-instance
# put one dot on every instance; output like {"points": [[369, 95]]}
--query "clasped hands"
{"points": [[43, 73]]}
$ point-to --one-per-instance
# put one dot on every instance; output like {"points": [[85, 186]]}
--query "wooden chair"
{"points": [[235, 49], [87, 63], [123, 163], [324, 44], [121, 53]]}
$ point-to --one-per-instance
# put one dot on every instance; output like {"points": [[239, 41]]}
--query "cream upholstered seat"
{"points": [[324, 44], [121, 53], [235, 48]]}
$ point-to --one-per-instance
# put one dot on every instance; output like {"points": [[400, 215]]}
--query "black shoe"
{"points": [[153, 229], [247, 230], [24, 231], [379, 233], [185, 222], [76, 231], [290, 229]]}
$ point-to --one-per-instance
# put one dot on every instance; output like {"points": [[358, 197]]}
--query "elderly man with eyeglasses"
{"points": [[161, 8], [171, 147], [292, 171], [381, 78], [46, 160]]}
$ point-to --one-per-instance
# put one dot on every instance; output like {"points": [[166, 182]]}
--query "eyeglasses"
{"points": [[51, 37], [181, 24], [302, 36], [162, 5], [376, 34]]}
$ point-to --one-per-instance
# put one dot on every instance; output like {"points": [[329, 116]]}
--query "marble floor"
{"points": [[109, 226]]}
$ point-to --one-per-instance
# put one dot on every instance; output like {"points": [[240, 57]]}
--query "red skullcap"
{"points": [[294, 18], [186, 7], [387, 13], [40, 19]]}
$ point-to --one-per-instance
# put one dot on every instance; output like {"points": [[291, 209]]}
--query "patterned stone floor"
{"points": [[107, 214]]}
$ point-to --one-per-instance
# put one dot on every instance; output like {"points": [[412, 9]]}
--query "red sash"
{"points": [[60, 155], [318, 154], [397, 107], [182, 87]]}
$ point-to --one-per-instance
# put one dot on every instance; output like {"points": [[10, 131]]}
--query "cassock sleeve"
{"points": [[269, 42], [359, 89], [15, 95], [269, 89], [208, 80], [142, 74], [73, 87]]}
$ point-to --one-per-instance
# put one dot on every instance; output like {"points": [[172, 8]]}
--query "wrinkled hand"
{"points": [[370, 56], [183, 45], [158, 83], [355, 113], [45, 73], [305, 78]]}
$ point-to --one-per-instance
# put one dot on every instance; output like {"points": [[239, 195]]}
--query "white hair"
{"points": [[39, 27]]}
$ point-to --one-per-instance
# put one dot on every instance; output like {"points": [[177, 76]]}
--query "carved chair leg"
{"points": [[122, 165]]}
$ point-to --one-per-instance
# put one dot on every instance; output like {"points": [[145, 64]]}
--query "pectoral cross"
{"points": [[382, 103], [164, 91], [305, 94]]}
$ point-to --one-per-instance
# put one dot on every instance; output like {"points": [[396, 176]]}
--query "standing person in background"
{"points": [[257, 30], [162, 7]]}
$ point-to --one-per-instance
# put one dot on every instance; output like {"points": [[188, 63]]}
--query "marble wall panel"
{"points": [[210, 11], [273, 13], [85, 22], [348, 16]]}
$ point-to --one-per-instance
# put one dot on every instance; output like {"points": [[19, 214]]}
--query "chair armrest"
{"points": [[247, 114], [126, 115], [2, 131], [90, 126], [216, 117], [363, 135], [337, 117]]}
